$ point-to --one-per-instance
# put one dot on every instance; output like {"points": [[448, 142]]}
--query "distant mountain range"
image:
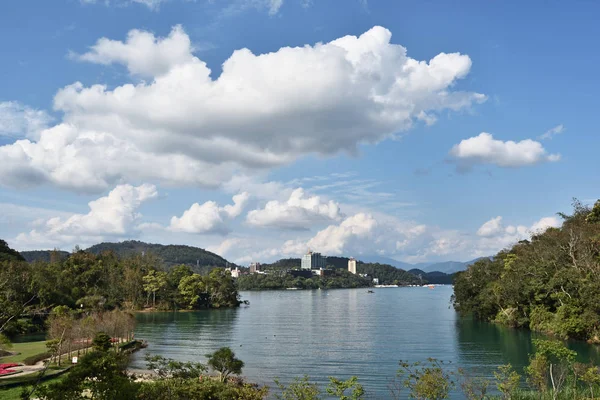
{"points": [[447, 267]]}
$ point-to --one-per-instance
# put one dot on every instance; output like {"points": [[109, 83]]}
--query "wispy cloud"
{"points": [[558, 129], [17, 119], [151, 4]]}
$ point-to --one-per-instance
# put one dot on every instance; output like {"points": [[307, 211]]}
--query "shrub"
{"points": [[37, 358]]}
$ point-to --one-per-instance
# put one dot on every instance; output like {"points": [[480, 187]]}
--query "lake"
{"points": [[340, 333]]}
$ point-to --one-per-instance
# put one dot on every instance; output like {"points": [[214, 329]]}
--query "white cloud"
{"points": [[17, 119], [239, 202], [297, 212], [552, 132], [495, 236], [235, 7], [208, 217], [262, 111], [111, 215], [366, 234], [491, 227], [151, 4], [143, 53], [336, 238], [225, 246], [543, 224], [274, 6], [484, 149]]}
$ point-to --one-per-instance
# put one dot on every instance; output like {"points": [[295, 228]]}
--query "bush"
{"points": [[37, 358]]}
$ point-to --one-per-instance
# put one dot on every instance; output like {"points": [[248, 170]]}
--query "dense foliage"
{"points": [[8, 254], [87, 281], [550, 283], [336, 280]]}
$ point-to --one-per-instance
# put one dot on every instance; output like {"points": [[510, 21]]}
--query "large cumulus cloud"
{"points": [[183, 126]]}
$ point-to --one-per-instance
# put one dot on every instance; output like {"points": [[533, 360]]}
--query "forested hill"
{"points": [[169, 254], [8, 254], [282, 265], [437, 277], [550, 283], [44, 255]]}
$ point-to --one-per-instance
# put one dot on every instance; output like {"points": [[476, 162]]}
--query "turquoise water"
{"points": [[320, 333]]}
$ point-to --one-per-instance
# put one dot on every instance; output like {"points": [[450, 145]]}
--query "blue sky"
{"points": [[349, 147]]}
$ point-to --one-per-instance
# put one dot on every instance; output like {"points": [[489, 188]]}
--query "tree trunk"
{"points": [[553, 386]]}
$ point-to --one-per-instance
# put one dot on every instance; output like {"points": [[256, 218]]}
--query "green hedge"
{"points": [[37, 358]]}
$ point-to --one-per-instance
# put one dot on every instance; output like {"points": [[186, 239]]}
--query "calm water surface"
{"points": [[340, 333]]}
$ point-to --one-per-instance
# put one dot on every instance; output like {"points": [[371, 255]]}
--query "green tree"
{"points": [[594, 215], [591, 377], [153, 282], [101, 374], [473, 387], [168, 368], [199, 389], [8, 254], [225, 363], [191, 288], [429, 381], [102, 342], [338, 388], [221, 289], [553, 362], [507, 380], [298, 389]]}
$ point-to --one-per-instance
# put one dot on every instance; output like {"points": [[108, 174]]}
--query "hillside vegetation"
{"points": [[169, 254], [550, 283]]}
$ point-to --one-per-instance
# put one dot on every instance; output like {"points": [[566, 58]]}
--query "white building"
{"points": [[352, 265], [254, 267], [235, 273], [313, 261]]}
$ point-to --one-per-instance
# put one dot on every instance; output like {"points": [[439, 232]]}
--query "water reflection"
{"points": [[484, 346], [186, 336]]}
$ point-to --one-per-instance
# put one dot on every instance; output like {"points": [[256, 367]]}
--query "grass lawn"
{"points": [[26, 350], [15, 393]]}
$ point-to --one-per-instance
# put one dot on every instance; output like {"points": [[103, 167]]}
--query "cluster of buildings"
{"points": [[312, 263], [254, 269], [316, 263]]}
